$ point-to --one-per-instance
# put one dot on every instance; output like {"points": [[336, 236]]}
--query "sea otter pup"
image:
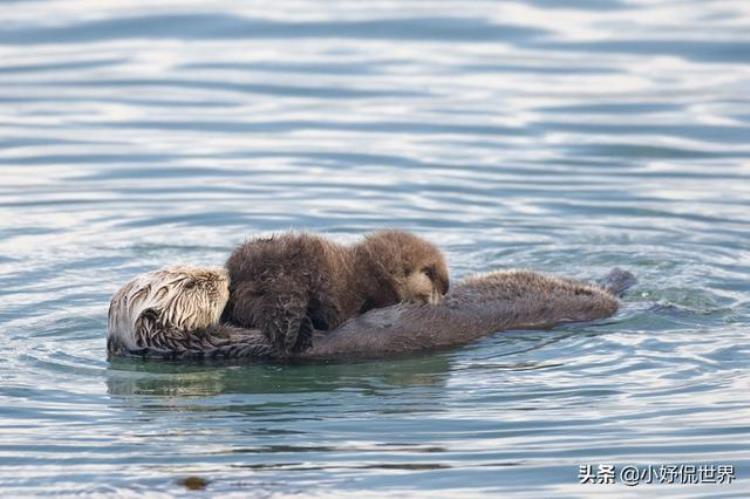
{"points": [[291, 284], [476, 307]]}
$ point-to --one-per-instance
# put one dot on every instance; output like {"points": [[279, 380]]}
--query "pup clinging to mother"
{"points": [[290, 284]]}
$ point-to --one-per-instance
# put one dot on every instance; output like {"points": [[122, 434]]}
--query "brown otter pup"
{"points": [[291, 284]]}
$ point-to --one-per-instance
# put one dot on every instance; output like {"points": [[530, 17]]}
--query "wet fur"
{"points": [[476, 307], [166, 308], [293, 284]]}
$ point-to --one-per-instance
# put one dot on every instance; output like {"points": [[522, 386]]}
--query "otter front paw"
{"points": [[304, 336], [286, 330]]}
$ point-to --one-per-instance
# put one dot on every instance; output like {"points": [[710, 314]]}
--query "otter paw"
{"points": [[304, 336]]}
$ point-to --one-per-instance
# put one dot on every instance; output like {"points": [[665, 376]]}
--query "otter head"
{"points": [[174, 300], [415, 268], [426, 282]]}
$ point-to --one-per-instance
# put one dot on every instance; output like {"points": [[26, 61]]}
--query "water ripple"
{"points": [[568, 136]]}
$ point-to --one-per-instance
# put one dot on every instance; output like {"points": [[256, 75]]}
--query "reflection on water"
{"points": [[136, 377], [567, 136]]}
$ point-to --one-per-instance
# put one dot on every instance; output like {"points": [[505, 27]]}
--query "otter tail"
{"points": [[617, 281]]}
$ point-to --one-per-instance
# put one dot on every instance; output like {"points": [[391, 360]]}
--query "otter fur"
{"points": [[168, 310], [476, 307], [292, 284]]}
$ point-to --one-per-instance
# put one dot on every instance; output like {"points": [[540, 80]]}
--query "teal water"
{"points": [[568, 137]]}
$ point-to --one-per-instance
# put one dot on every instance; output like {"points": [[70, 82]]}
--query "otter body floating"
{"points": [[173, 314]]}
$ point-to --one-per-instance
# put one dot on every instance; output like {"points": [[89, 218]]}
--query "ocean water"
{"points": [[564, 136]]}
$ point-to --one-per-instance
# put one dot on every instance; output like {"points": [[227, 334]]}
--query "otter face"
{"points": [[414, 268], [172, 299], [426, 284], [423, 273], [191, 297]]}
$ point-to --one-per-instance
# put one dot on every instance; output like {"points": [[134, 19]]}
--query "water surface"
{"points": [[568, 136]]}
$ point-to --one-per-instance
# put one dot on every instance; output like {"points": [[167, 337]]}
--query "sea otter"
{"points": [[292, 284], [476, 307]]}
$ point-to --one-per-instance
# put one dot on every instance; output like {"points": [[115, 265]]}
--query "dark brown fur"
{"points": [[291, 284], [476, 307]]}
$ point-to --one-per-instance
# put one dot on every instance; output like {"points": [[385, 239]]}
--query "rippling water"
{"points": [[565, 136]]}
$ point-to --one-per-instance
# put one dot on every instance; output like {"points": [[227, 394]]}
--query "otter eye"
{"points": [[430, 272], [190, 284]]}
